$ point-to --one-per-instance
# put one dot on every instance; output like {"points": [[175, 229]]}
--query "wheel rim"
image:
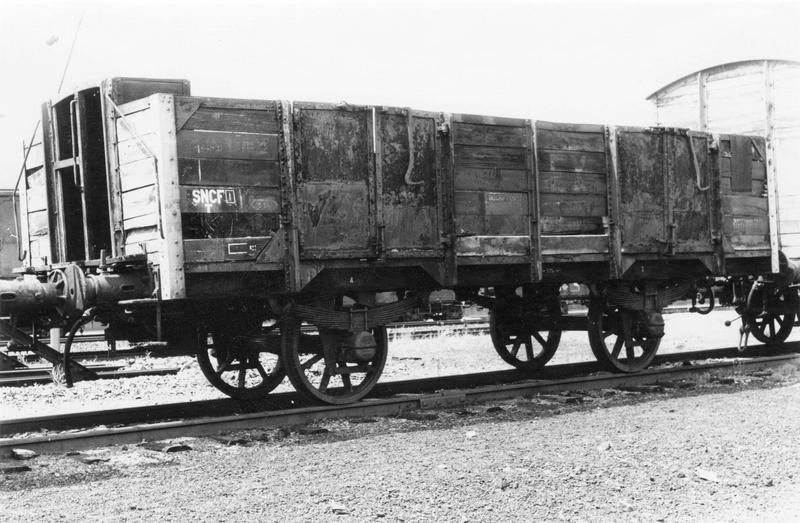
{"points": [[524, 348], [331, 380], [773, 327], [607, 339], [243, 374]]}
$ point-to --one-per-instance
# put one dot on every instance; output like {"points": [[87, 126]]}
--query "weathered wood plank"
{"points": [[506, 224], [505, 203], [488, 120], [492, 246], [135, 150], [485, 179], [756, 189], [557, 225], [38, 224], [744, 205], [144, 234], [230, 199], [137, 124], [572, 183], [750, 241], [223, 249], [578, 205], [36, 192], [139, 202], [35, 156], [233, 120], [572, 161], [235, 146], [570, 127], [469, 202], [578, 244], [491, 135], [137, 174], [570, 141], [227, 103], [496, 157], [209, 171], [147, 220], [746, 225]]}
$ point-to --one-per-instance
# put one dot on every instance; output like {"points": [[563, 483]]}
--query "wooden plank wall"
{"points": [[39, 249], [572, 178], [745, 219], [136, 141], [491, 184], [229, 173]]}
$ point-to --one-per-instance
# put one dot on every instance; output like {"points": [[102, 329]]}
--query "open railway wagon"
{"points": [[218, 226]]}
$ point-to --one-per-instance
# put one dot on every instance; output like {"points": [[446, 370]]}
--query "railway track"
{"points": [[32, 376], [201, 418]]}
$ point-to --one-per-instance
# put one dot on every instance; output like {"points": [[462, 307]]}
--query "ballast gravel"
{"points": [[709, 450], [713, 449]]}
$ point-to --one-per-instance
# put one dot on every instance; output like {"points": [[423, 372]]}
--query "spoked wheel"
{"points": [[238, 366], [609, 326], [521, 344], [778, 310], [328, 368]]}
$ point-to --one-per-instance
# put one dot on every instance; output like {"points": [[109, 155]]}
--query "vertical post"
{"points": [[112, 170], [445, 198], [377, 173], [289, 218], [703, 100], [535, 231], [612, 195], [772, 179], [172, 279]]}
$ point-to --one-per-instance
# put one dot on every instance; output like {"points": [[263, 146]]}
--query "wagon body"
{"points": [[753, 97], [231, 197]]}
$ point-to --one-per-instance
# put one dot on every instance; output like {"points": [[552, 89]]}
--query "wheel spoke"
{"points": [[262, 371], [617, 347], [326, 379], [780, 319], [348, 385], [242, 373], [540, 339], [529, 350], [311, 361], [515, 348], [227, 363], [630, 351], [771, 328]]}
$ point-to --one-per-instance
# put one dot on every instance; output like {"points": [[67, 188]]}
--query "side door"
{"points": [[665, 192], [335, 180], [408, 183]]}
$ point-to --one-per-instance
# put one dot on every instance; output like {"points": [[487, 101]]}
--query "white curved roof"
{"points": [[714, 69]]}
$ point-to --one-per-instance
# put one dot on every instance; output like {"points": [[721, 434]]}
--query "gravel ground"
{"points": [[712, 450], [408, 359]]}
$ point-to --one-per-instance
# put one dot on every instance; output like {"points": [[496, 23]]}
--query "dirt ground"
{"points": [[711, 450]]}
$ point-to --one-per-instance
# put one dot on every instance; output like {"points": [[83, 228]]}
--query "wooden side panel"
{"points": [[745, 210], [333, 151], [642, 185], [137, 166], [491, 186], [228, 170], [409, 210], [572, 178]]}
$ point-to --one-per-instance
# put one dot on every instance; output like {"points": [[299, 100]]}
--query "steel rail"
{"points": [[32, 376], [283, 410]]}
